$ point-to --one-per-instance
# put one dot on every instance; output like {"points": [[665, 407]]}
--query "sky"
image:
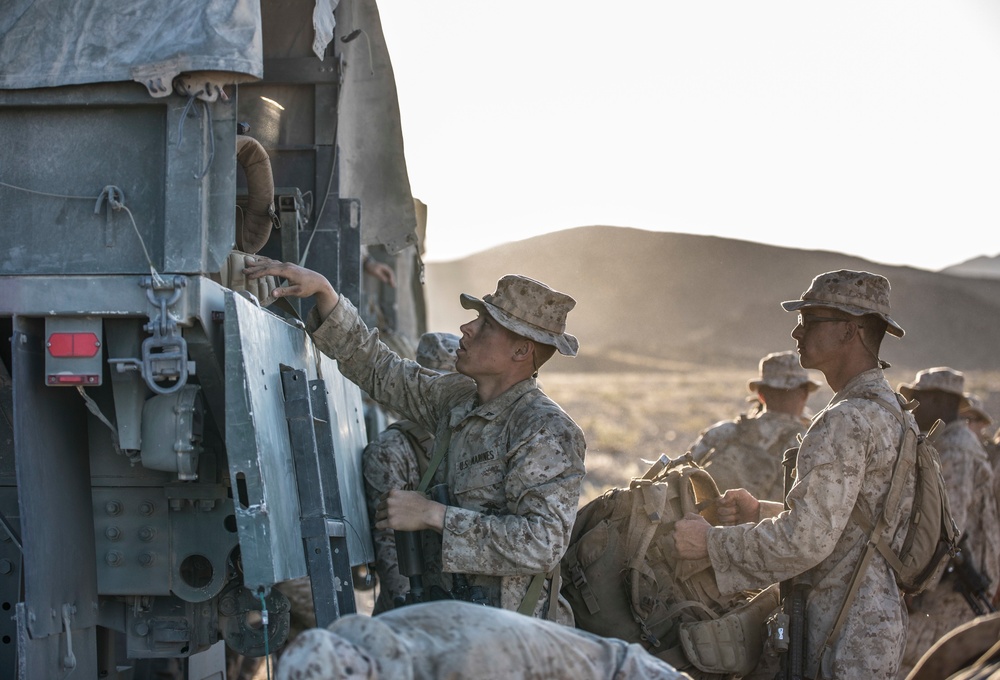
{"points": [[870, 128]]}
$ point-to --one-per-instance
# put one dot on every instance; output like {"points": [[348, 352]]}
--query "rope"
{"points": [[115, 198], [96, 410], [263, 620], [45, 193], [208, 119]]}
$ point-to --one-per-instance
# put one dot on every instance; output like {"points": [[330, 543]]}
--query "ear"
{"points": [[851, 330], [523, 350]]}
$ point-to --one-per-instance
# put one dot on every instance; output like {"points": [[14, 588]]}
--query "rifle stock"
{"points": [[969, 581]]}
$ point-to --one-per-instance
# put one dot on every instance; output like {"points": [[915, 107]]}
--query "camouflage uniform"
{"points": [[993, 453], [747, 452], [396, 459], [846, 457], [514, 465], [450, 639], [969, 479]]}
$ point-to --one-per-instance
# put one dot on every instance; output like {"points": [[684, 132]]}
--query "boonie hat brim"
{"points": [[795, 305], [563, 342]]}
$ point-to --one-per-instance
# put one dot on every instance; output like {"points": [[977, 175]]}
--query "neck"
{"points": [[492, 387], [838, 377]]}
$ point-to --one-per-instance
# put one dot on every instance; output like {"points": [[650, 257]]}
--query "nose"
{"points": [[798, 331], [466, 329]]}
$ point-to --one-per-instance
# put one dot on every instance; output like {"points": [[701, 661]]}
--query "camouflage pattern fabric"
{"points": [[514, 465], [846, 456], [451, 639], [993, 453], [747, 452], [969, 478], [391, 461]]}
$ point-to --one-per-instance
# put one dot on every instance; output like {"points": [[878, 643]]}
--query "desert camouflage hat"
{"points": [[974, 410], [782, 371], [529, 308], [327, 654], [940, 378], [857, 293], [437, 351]]}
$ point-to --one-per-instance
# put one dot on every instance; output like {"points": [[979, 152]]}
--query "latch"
{"points": [[164, 353]]}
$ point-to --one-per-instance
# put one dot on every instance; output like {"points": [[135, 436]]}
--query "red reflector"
{"points": [[68, 345], [68, 379]]}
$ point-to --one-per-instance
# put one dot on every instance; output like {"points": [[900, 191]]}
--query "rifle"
{"points": [[410, 559], [460, 588], [792, 627], [409, 555], [970, 582]]}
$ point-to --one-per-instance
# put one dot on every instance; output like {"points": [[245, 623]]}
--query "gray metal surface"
{"points": [[53, 478], [86, 138], [323, 530], [10, 576], [260, 462], [258, 343], [347, 423]]}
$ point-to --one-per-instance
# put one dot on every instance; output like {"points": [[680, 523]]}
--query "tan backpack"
{"points": [[623, 578], [931, 536]]}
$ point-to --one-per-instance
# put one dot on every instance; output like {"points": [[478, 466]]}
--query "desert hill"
{"points": [[982, 266], [648, 300]]}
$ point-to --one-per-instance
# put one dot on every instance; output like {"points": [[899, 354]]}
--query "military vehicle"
{"points": [[172, 448]]}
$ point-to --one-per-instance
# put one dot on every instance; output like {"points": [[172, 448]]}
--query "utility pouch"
{"points": [[733, 642], [777, 632]]}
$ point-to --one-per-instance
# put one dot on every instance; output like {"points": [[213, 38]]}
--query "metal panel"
{"points": [[53, 478], [347, 423], [260, 463], [258, 343], [175, 166], [55, 656], [132, 539], [10, 575]]}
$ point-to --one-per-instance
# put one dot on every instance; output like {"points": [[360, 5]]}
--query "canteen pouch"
{"points": [[733, 642]]}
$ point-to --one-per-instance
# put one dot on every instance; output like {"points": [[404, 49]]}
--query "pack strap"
{"points": [[530, 599], [416, 434], [878, 530], [849, 598], [580, 582], [674, 656], [440, 448]]}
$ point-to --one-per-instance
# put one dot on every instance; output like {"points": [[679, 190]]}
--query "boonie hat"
{"points": [[438, 351], [857, 293], [782, 371], [940, 378], [529, 308], [974, 410]]}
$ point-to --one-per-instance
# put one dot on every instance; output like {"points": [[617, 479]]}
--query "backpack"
{"points": [[622, 576], [743, 459], [932, 535]]}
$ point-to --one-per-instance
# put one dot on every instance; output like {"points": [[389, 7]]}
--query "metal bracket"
{"points": [[324, 532], [164, 354], [69, 660]]}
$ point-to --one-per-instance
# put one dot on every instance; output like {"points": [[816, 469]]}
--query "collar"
{"points": [[493, 408]]}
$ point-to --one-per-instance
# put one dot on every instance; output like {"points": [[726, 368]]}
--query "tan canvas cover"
{"points": [[369, 134]]}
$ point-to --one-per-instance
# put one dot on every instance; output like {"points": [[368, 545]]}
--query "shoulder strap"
{"points": [[440, 448], [873, 530], [418, 435]]}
